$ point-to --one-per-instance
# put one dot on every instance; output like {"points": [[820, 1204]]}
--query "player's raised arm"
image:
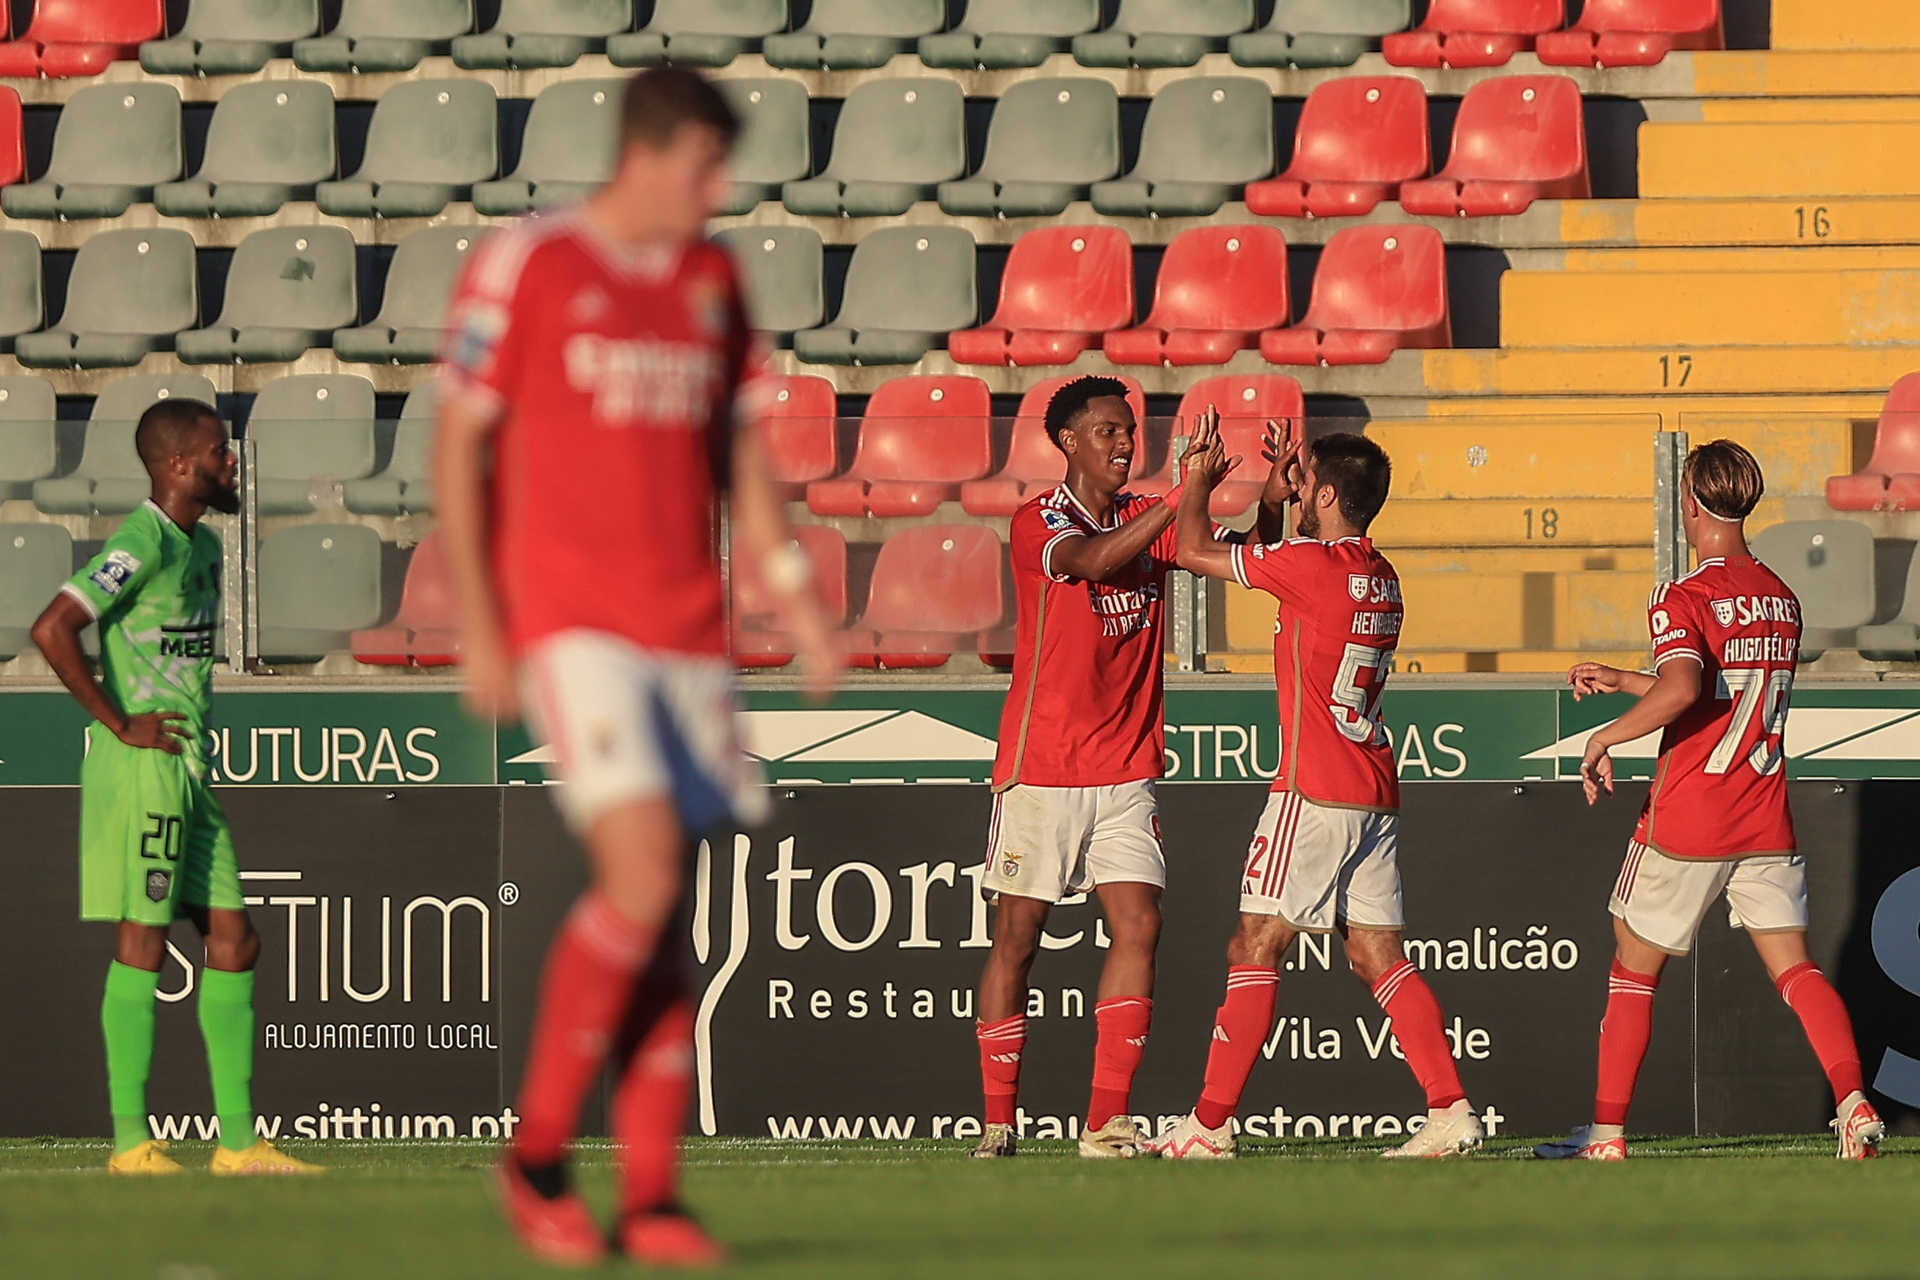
{"points": [[760, 531], [1204, 465], [1097, 557], [1281, 448]]}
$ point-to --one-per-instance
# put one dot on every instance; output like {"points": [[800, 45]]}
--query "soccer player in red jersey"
{"points": [[1323, 856], [1725, 639], [1080, 745], [596, 362]]}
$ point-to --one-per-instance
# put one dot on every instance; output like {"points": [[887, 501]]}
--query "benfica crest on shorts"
{"points": [[1357, 585], [1723, 612]]}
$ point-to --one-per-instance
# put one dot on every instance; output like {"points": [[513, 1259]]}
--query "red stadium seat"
{"points": [[1358, 140], [1377, 289], [1219, 288], [1517, 139], [797, 425], [81, 37], [921, 437], [1063, 288], [1474, 33], [1632, 33], [757, 640], [1033, 463], [935, 589], [13, 143], [425, 633], [1891, 479], [1246, 403]]}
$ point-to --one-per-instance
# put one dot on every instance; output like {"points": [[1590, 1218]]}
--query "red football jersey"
{"points": [[1086, 707], [1333, 641], [1720, 788], [616, 372]]}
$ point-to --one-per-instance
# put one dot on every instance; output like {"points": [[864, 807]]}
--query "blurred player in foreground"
{"points": [[1080, 745], [597, 360], [1323, 857], [1725, 639], [154, 843]]}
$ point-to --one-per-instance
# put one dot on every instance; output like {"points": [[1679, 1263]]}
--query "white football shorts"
{"points": [[1663, 900], [1312, 864], [1053, 842], [627, 723]]}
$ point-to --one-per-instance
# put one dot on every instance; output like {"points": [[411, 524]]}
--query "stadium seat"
{"points": [[385, 35], [309, 430], [129, 293], [798, 420], [1218, 289], [920, 438], [110, 478], [1898, 639], [543, 33], [13, 144], [1357, 141], [1829, 565], [405, 485], [1319, 33], [1033, 462], [1164, 33], [783, 272], [81, 37], [1377, 289], [231, 37], [288, 289], [408, 328], [319, 583], [775, 144], [29, 434], [1632, 33], [757, 640], [269, 143], [1049, 141], [428, 143], [1474, 33], [1246, 404], [1000, 35], [849, 35], [906, 289], [1062, 288], [23, 306], [894, 143], [1204, 138], [426, 630], [35, 560], [1517, 139], [567, 150], [934, 589], [698, 33], [113, 145], [1891, 479]]}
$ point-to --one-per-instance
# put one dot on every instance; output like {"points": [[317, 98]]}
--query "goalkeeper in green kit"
{"points": [[154, 843]]}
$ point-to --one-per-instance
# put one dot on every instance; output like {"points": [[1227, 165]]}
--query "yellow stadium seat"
{"points": [[1518, 458], [1824, 220], [1677, 371], [1863, 158], [1709, 309], [1852, 24]]}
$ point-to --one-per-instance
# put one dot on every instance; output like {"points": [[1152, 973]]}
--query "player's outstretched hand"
{"points": [[488, 687], [1595, 677], [156, 731], [1596, 770], [1282, 451], [1206, 429]]}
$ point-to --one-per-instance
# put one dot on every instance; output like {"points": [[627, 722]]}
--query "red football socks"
{"points": [[584, 994], [650, 1106], [1415, 1016], [1000, 1046], [1824, 1018], [1123, 1023], [1239, 1029], [1624, 1033]]}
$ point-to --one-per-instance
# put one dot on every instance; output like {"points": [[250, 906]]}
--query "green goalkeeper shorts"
{"points": [[153, 840]]}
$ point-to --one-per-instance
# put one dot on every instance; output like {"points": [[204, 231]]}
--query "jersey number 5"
{"points": [[1357, 690], [1756, 693]]}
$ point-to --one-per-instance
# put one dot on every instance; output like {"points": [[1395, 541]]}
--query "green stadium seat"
{"points": [[544, 33], [906, 289], [998, 35], [429, 142], [319, 583], [850, 35], [23, 306], [309, 430], [783, 272], [408, 328], [895, 142], [774, 147], [1164, 33], [269, 143], [1320, 33], [1897, 640], [29, 434], [568, 149], [109, 478], [1049, 141], [1829, 565], [35, 560], [288, 289], [698, 33], [405, 485], [113, 145], [129, 293], [1204, 139], [232, 37], [385, 35]]}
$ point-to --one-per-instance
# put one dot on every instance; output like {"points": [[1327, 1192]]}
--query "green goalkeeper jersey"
{"points": [[154, 589]]}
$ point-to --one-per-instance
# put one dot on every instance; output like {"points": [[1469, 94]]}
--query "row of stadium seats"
{"points": [[223, 37]]}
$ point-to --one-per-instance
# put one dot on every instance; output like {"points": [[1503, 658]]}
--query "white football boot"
{"points": [[1191, 1140], [997, 1141], [1860, 1128], [1118, 1139], [1580, 1145], [1455, 1131]]}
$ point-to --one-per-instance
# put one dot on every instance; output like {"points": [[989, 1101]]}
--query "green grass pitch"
{"points": [[1682, 1207]]}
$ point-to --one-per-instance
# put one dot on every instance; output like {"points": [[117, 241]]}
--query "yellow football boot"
{"points": [[262, 1158], [150, 1157]]}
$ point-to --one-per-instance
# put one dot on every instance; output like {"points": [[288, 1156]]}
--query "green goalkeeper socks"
{"points": [[126, 1016], [226, 1024]]}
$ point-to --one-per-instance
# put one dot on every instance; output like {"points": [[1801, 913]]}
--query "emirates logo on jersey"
{"points": [[664, 382]]}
